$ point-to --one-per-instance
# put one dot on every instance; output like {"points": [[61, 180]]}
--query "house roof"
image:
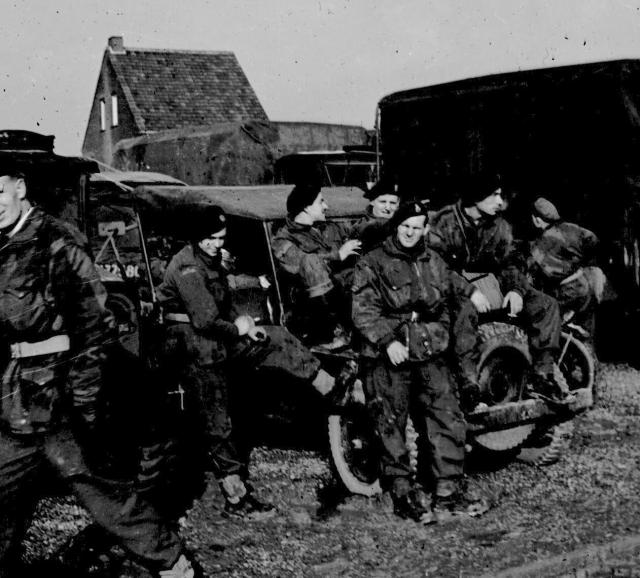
{"points": [[179, 88]]}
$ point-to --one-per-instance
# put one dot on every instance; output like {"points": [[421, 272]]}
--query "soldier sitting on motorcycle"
{"points": [[562, 263], [402, 298], [317, 254], [208, 343], [473, 238]]}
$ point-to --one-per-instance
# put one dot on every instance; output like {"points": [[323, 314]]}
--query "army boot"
{"points": [[547, 388], [240, 503], [411, 502], [455, 499]]}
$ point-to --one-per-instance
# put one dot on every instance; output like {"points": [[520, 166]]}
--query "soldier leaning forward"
{"points": [[563, 263], [209, 343], [402, 297], [474, 238], [53, 317]]}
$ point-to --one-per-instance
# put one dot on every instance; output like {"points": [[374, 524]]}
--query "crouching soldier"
{"points": [[563, 263], [52, 315], [474, 239], [208, 343], [316, 254], [402, 295]]}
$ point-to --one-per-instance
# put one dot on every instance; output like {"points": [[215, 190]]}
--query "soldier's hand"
{"points": [[397, 352], [480, 301], [513, 300], [244, 323], [351, 247], [257, 334]]}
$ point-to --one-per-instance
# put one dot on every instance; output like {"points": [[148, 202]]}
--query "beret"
{"points": [[382, 187], [301, 197], [479, 186], [546, 210], [409, 209]]}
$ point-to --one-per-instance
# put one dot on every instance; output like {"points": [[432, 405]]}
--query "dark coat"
{"points": [[391, 287]]}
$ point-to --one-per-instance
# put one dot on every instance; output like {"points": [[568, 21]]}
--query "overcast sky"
{"points": [[322, 60]]}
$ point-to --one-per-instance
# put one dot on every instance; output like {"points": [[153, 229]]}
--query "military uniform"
{"points": [[372, 231], [489, 247], [310, 255], [52, 313], [203, 342], [406, 296], [558, 258]]}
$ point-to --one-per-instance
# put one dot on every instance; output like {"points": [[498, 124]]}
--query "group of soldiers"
{"points": [[398, 287]]}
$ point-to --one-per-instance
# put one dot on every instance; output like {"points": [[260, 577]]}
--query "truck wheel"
{"points": [[547, 444], [354, 454], [504, 364]]}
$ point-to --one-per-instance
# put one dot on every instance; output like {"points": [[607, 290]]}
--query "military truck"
{"points": [[570, 133]]}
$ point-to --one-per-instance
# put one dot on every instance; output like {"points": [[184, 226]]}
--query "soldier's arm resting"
{"points": [[201, 305]]}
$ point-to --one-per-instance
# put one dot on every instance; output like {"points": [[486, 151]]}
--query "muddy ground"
{"points": [[588, 499]]}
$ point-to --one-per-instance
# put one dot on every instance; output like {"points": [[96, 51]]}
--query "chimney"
{"points": [[116, 45]]}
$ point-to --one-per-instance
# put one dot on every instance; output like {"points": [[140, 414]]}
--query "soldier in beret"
{"points": [[563, 263], [373, 228], [473, 237], [208, 342], [402, 299], [316, 253]]}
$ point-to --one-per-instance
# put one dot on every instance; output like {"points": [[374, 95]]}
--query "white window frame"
{"points": [[103, 119], [114, 110]]}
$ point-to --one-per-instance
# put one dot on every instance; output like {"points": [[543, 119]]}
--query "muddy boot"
{"points": [[240, 503], [411, 503], [469, 395], [546, 388], [455, 499], [184, 567]]}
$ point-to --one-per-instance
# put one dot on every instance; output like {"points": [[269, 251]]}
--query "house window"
{"points": [[114, 110], [103, 120]]}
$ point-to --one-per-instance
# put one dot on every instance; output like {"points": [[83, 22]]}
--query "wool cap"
{"points": [[546, 210], [479, 186], [301, 197], [409, 209]]}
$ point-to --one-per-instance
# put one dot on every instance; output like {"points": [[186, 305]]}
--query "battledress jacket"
{"points": [[49, 286], [406, 297], [485, 247], [196, 284], [560, 250]]}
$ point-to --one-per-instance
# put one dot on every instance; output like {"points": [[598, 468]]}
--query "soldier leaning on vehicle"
{"points": [[208, 343], [473, 237], [317, 254], [563, 263], [52, 315], [373, 228], [402, 298]]}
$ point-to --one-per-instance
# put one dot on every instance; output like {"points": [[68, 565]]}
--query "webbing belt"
{"points": [[55, 344]]}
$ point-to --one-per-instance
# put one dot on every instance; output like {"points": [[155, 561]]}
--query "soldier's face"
{"points": [[384, 206], [411, 230], [213, 245], [317, 209], [492, 204], [12, 192]]}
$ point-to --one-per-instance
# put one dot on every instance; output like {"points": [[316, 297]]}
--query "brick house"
{"points": [[145, 91], [193, 115]]}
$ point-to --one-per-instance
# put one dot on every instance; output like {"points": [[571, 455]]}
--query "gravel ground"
{"points": [[589, 498]]}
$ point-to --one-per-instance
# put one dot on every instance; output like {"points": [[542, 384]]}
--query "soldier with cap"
{"points": [[373, 228], [316, 253], [473, 238], [53, 317], [563, 263], [209, 343], [402, 299]]}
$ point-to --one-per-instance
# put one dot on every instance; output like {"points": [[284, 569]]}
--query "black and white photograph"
{"points": [[320, 288]]}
